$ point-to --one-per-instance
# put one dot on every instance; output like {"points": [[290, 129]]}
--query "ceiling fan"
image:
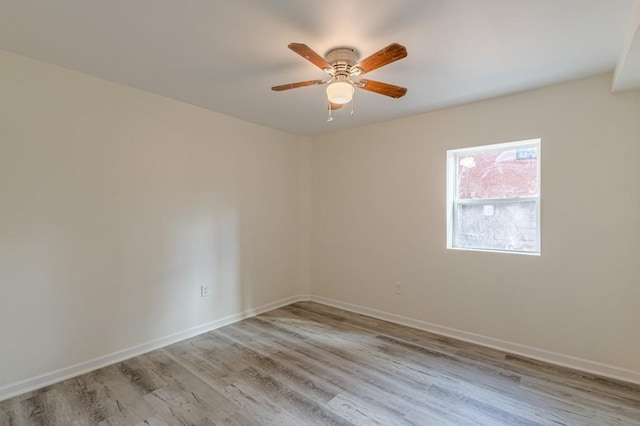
{"points": [[342, 66]]}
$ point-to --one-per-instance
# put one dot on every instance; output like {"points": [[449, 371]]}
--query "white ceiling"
{"points": [[225, 55]]}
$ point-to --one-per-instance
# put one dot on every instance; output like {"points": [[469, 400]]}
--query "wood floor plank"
{"points": [[153, 421], [308, 364], [355, 361]]}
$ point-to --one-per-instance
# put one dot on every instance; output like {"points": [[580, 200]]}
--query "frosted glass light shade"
{"points": [[340, 92]]}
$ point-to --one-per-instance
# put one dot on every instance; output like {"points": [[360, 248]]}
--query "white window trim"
{"points": [[452, 168]]}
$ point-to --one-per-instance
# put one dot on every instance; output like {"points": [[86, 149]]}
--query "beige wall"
{"points": [[379, 218], [116, 205]]}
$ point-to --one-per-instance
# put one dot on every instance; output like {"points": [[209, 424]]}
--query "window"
{"points": [[493, 197]]}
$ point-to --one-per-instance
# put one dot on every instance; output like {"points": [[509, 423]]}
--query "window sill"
{"points": [[526, 253]]}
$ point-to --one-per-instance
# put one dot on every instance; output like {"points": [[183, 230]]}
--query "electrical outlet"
{"points": [[204, 291], [397, 288]]}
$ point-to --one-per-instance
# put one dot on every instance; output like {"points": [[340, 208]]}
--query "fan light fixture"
{"points": [[340, 92]]}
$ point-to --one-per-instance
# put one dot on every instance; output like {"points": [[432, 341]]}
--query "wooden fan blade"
{"points": [[334, 107], [389, 54], [296, 85], [311, 56], [382, 88]]}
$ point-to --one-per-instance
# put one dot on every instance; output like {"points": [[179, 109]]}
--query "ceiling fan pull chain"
{"points": [[352, 102], [330, 117]]}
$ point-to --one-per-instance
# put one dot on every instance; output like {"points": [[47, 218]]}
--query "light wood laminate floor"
{"points": [[308, 364]]}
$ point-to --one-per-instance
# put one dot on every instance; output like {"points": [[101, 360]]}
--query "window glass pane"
{"points": [[499, 226], [506, 173]]}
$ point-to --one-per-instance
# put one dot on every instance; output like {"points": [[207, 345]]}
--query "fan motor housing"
{"points": [[342, 57]]}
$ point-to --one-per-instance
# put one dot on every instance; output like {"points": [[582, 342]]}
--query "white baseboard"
{"points": [[587, 366], [575, 363], [65, 373]]}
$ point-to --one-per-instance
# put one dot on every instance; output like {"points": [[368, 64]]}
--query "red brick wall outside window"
{"points": [[498, 174]]}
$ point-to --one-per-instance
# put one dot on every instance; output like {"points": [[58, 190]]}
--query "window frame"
{"points": [[453, 158]]}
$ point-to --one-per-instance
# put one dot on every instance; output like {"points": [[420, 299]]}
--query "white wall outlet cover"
{"points": [[204, 291]]}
